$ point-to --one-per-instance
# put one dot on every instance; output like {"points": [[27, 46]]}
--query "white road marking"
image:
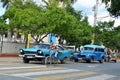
{"points": [[44, 72], [99, 77], [92, 66], [9, 68]]}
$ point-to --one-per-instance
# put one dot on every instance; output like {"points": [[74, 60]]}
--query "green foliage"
{"points": [[5, 2], [67, 23], [3, 25], [114, 7], [108, 35]]}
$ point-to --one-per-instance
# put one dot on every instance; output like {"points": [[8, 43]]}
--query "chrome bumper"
{"points": [[35, 56]]}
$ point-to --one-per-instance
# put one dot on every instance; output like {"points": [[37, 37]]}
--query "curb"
{"points": [[9, 55]]}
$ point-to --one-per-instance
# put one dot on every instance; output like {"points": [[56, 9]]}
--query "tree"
{"points": [[104, 33], [3, 25], [67, 23], [5, 3], [113, 7], [26, 17]]}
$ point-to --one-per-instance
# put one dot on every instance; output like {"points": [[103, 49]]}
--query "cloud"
{"points": [[86, 6]]}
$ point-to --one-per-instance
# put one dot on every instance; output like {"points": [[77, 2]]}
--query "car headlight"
{"points": [[21, 50], [39, 52]]}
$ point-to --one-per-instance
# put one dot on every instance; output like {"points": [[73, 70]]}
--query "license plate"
{"points": [[80, 58], [30, 57]]}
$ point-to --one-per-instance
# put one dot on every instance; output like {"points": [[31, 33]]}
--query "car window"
{"points": [[102, 50], [99, 50], [88, 48], [60, 48], [45, 46]]}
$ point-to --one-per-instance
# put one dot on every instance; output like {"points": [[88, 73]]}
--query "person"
{"points": [[51, 44], [108, 55], [108, 52], [56, 52]]}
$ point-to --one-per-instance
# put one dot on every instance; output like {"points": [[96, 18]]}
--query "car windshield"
{"points": [[45, 46], [88, 48]]}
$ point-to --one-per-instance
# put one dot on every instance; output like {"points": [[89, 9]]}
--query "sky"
{"points": [[86, 6]]}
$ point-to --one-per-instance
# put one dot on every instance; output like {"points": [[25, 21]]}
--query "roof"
{"points": [[94, 46]]}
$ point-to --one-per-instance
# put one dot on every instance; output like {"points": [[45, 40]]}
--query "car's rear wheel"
{"points": [[25, 60], [63, 61], [102, 60]]}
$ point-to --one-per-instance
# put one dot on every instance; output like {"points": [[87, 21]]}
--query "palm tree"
{"points": [[61, 2], [5, 3]]}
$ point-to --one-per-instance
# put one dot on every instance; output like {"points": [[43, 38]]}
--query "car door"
{"points": [[97, 53], [65, 53]]}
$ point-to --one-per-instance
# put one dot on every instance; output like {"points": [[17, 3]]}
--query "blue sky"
{"points": [[2, 10], [86, 6]]}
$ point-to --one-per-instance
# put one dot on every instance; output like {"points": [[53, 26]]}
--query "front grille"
{"points": [[29, 52], [40, 54], [82, 55]]}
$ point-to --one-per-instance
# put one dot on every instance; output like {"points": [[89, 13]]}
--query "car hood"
{"points": [[33, 49]]}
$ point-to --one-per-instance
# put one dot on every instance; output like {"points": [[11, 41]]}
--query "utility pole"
{"points": [[95, 9]]}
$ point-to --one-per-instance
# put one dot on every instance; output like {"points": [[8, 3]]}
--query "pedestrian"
{"points": [[56, 54], [51, 44], [108, 52]]}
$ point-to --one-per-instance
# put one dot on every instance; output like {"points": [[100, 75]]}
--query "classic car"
{"points": [[40, 51], [91, 53]]}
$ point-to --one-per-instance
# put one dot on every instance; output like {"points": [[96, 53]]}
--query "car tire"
{"points": [[89, 60], [101, 61], [75, 60], [25, 60], [105, 60], [43, 60], [63, 61]]}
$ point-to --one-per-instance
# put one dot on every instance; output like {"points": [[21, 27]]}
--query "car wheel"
{"points": [[25, 60], [89, 60], [43, 60], [105, 60], [63, 61], [76, 60], [101, 61]]}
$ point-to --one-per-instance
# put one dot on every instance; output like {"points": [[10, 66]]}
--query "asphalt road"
{"points": [[15, 69]]}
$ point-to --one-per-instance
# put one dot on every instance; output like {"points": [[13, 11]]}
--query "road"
{"points": [[15, 69]]}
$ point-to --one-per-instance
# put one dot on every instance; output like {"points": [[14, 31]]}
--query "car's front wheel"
{"points": [[76, 60], [25, 60]]}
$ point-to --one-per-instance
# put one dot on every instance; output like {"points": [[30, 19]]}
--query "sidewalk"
{"points": [[10, 59], [9, 55]]}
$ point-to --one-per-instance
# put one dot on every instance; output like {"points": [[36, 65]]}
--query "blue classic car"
{"points": [[41, 51], [91, 53]]}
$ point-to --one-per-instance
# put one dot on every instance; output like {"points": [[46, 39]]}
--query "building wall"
{"points": [[11, 47]]}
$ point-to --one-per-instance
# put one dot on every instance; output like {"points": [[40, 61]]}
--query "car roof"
{"points": [[94, 46]]}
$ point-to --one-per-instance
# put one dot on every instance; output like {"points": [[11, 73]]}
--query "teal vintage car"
{"points": [[91, 53], [40, 51]]}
